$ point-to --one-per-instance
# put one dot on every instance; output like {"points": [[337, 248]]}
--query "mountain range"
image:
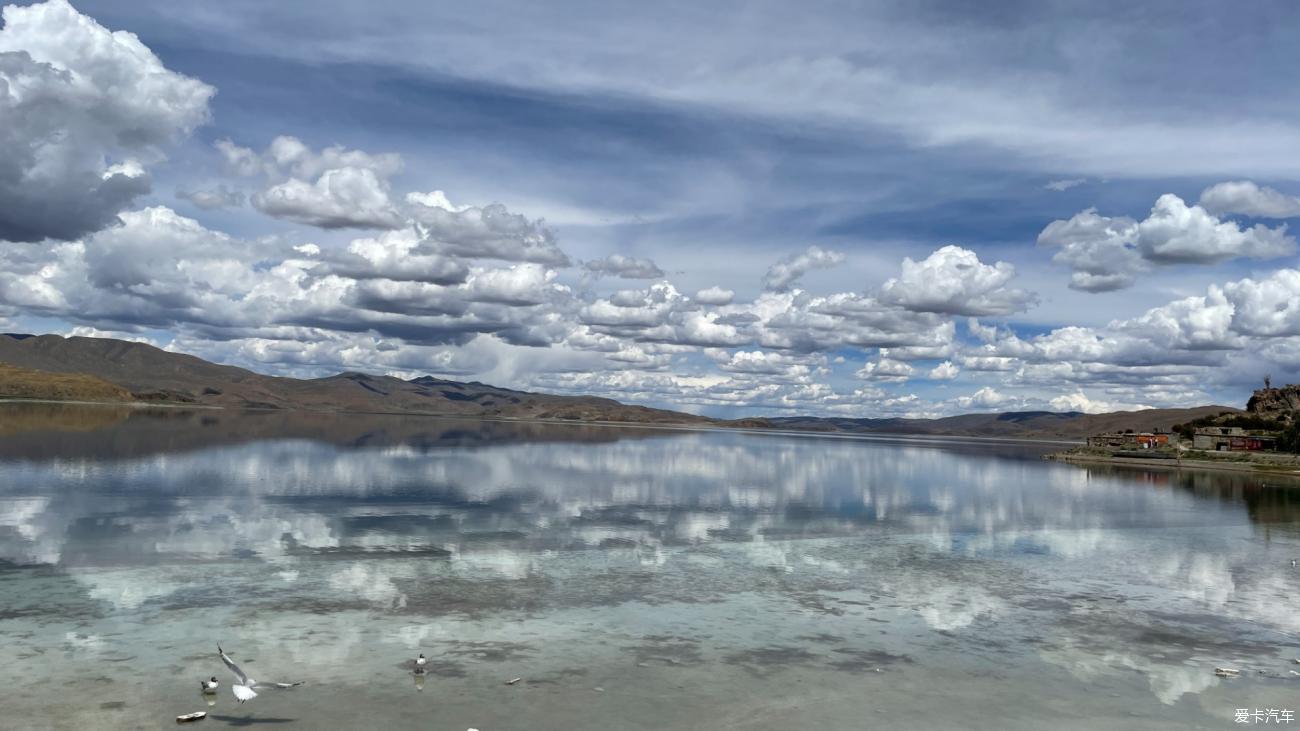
{"points": [[103, 369]]}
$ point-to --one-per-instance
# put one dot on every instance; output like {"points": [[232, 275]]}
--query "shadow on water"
{"points": [[250, 720]]}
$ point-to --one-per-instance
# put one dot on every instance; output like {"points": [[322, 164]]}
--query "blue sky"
{"points": [[234, 179]]}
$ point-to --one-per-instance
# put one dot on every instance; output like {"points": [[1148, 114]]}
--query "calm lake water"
{"points": [[632, 578]]}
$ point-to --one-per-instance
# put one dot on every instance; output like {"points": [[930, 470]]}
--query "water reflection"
{"points": [[952, 556]]}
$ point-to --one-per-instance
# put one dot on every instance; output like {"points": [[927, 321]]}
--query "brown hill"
{"points": [[25, 383], [155, 375]]}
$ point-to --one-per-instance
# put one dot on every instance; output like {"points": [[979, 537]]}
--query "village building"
{"points": [[1231, 439], [1130, 440]]}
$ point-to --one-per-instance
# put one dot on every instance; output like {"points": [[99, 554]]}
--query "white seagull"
{"points": [[244, 690], [209, 686], [420, 663]]}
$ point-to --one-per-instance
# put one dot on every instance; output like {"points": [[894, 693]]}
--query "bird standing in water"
{"points": [[420, 662], [209, 686]]}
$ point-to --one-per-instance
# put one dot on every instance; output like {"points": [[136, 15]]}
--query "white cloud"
{"points": [[885, 369], [715, 296], [1248, 199], [1097, 248], [782, 275], [399, 255], [1178, 233], [1080, 401], [163, 270], [945, 371], [802, 322], [83, 110], [520, 284], [1267, 307], [490, 232], [953, 281], [1107, 253], [767, 363], [985, 398], [340, 198], [624, 267], [333, 188]]}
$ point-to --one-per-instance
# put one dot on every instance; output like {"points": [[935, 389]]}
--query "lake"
{"points": [[630, 578]]}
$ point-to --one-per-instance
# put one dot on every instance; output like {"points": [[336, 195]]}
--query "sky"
{"points": [[730, 208]]}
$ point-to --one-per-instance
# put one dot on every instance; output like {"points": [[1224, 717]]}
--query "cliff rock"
{"points": [[1274, 402]]}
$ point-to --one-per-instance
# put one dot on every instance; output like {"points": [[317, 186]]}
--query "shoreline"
{"points": [[666, 426], [1177, 465]]}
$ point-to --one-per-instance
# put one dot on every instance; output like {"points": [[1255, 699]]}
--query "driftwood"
{"points": [[191, 717], [1227, 672], [512, 681]]}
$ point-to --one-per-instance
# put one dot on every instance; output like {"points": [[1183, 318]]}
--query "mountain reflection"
{"points": [[305, 520], [41, 431], [158, 486]]}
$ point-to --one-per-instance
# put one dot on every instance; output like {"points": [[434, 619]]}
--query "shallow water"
{"points": [[632, 578]]}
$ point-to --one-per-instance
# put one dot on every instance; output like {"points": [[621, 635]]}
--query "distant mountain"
{"points": [[154, 375], [121, 370], [1012, 424]]}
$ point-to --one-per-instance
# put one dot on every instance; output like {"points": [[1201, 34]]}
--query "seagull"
{"points": [[244, 690], [209, 686], [420, 662]]}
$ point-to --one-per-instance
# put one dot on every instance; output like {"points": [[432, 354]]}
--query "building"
{"points": [[1129, 440], [1231, 439]]}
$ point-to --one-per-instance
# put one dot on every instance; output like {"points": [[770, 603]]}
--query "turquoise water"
{"points": [[631, 578]]}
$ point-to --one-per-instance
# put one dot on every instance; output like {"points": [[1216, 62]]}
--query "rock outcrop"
{"points": [[1274, 403]]}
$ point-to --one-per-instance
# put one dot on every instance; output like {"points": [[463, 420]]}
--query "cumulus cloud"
{"points": [[953, 281], [212, 198], [1248, 199], [1164, 356], [1080, 401], [885, 369], [787, 366], [340, 198], [84, 110], [945, 371], [807, 323], [332, 188], [399, 255], [782, 275], [163, 270], [489, 232], [1099, 249], [1178, 233], [396, 302], [624, 267], [985, 398], [715, 296], [1108, 253]]}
